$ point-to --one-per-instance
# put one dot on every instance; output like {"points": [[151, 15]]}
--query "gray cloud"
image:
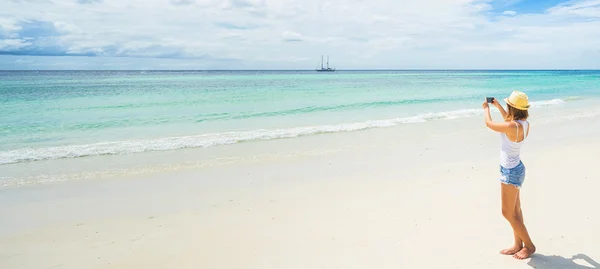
{"points": [[29, 1], [242, 3], [88, 1], [288, 36], [182, 2], [233, 26]]}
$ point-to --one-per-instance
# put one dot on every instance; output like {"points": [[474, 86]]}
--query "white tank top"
{"points": [[510, 154]]}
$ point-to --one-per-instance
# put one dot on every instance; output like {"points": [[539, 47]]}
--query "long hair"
{"points": [[516, 114]]}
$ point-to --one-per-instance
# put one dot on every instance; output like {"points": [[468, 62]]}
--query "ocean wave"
{"points": [[216, 139], [342, 107], [553, 102]]}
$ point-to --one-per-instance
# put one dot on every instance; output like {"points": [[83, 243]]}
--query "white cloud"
{"points": [[587, 8], [182, 2], [291, 36], [21, 61], [249, 34], [13, 44], [8, 27]]}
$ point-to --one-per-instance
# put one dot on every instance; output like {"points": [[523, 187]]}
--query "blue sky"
{"points": [[523, 6], [292, 34]]}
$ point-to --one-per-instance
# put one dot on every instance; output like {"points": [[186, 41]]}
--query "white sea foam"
{"points": [[573, 98], [553, 102], [216, 139]]}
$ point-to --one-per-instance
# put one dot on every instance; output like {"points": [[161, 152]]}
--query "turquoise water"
{"points": [[66, 114]]}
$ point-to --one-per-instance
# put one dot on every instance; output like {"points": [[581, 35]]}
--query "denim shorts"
{"points": [[513, 176]]}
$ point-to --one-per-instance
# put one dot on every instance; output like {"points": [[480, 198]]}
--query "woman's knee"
{"points": [[509, 213]]}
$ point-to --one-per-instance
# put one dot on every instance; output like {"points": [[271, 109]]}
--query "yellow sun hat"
{"points": [[518, 100]]}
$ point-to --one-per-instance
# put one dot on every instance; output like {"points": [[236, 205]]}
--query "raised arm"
{"points": [[501, 127], [500, 108]]}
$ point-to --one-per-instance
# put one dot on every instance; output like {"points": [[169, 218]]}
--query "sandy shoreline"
{"points": [[427, 201]]}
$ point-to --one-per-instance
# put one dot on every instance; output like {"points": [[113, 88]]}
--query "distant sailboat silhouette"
{"points": [[325, 69]]}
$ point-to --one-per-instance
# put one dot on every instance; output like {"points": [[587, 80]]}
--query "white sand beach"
{"points": [[411, 196]]}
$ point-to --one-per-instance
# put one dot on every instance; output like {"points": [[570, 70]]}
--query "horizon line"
{"points": [[288, 70]]}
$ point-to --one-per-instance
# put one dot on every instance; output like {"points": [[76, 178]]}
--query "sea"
{"points": [[51, 115]]}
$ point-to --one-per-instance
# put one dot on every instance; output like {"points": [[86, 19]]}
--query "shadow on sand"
{"points": [[579, 261]]}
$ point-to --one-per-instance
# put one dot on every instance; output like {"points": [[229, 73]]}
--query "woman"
{"points": [[514, 130]]}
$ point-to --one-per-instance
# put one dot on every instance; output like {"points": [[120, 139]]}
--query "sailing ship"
{"points": [[325, 69]]}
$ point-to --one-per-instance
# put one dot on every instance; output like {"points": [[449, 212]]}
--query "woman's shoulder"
{"points": [[523, 123]]}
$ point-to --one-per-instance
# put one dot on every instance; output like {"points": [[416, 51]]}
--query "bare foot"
{"points": [[524, 253], [511, 251]]}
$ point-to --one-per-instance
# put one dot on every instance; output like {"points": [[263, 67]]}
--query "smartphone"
{"points": [[490, 99]]}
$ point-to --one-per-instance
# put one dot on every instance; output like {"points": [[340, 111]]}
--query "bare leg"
{"points": [[510, 197], [520, 216], [518, 245]]}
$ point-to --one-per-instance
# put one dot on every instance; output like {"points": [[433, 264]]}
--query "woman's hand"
{"points": [[499, 107], [485, 105], [495, 103]]}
